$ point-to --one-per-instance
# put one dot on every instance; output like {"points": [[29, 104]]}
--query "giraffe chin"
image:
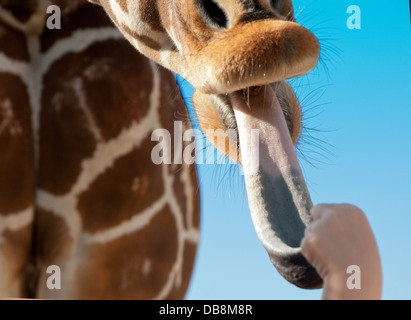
{"points": [[279, 200]]}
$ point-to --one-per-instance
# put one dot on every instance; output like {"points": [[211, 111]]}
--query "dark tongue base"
{"points": [[279, 200]]}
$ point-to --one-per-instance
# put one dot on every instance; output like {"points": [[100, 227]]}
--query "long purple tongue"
{"points": [[277, 194]]}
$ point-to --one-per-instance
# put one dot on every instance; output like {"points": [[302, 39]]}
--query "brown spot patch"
{"points": [[22, 10], [150, 15], [13, 43], [196, 195], [15, 249], [16, 156], [131, 185], [145, 40], [132, 267], [118, 82]]}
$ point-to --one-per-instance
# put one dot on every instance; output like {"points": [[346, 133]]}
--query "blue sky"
{"points": [[357, 103]]}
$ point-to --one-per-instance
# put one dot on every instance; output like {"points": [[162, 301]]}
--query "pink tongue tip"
{"points": [[260, 116]]}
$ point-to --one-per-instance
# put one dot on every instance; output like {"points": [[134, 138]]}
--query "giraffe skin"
{"points": [[78, 188]]}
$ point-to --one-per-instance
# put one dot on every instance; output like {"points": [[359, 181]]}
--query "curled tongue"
{"points": [[278, 197]]}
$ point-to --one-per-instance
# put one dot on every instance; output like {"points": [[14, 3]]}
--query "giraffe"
{"points": [[78, 188]]}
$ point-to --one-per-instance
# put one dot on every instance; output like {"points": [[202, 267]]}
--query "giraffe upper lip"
{"points": [[254, 54]]}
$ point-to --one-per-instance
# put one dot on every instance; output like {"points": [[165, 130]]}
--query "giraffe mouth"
{"points": [[278, 197], [251, 91]]}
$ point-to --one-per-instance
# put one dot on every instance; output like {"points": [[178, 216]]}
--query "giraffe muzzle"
{"points": [[279, 200], [254, 54]]}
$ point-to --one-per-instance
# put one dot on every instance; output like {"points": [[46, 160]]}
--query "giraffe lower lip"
{"points": [[278, 197]]}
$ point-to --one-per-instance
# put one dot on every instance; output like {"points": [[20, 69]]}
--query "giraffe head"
{"points": [[226, 48]]}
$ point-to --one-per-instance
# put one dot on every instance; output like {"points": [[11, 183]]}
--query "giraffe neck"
{"points": [[82, 104]]}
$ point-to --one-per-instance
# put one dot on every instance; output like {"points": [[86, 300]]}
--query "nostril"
{"points": [[213, 13], [276, 4]]}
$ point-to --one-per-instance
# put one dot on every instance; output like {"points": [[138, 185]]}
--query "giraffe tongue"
{"points": [[278, 197]]}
